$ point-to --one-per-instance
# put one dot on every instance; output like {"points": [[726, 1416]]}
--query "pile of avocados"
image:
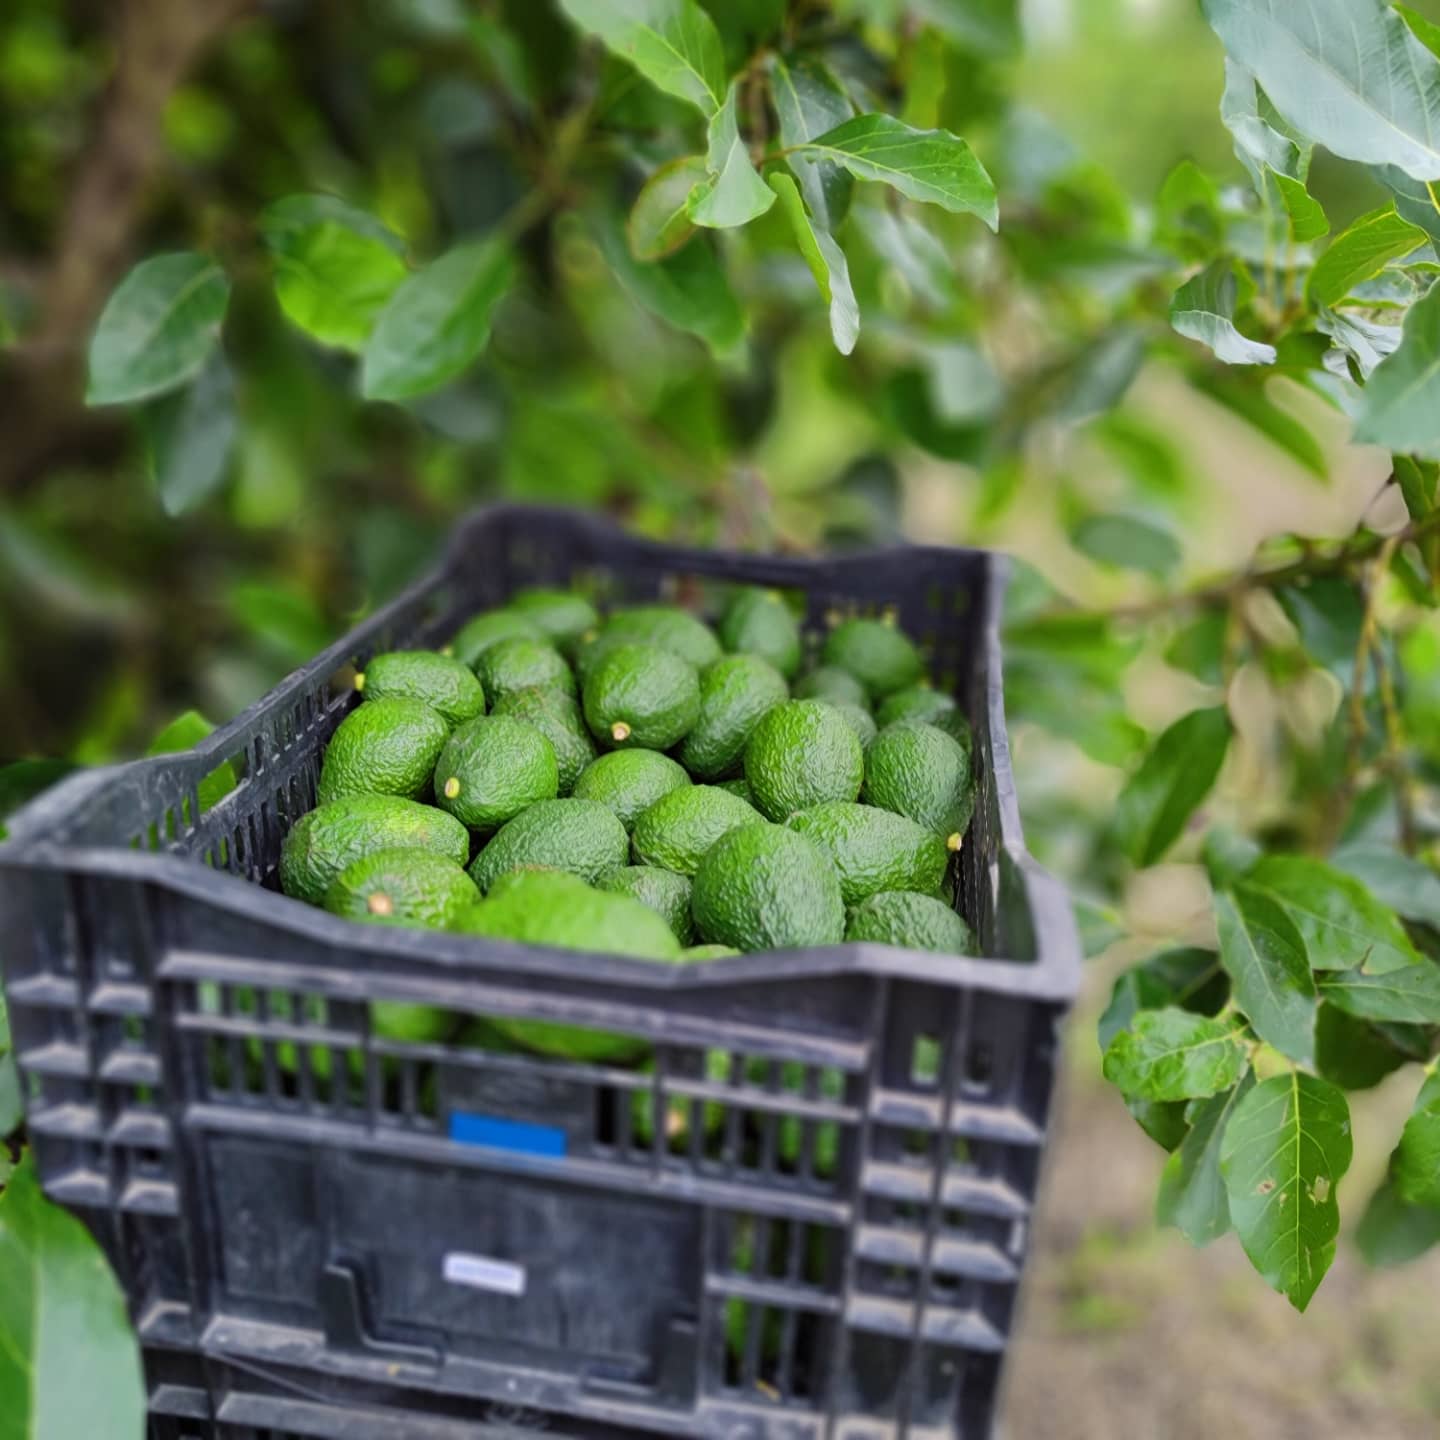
{"points": [[644, 784]]}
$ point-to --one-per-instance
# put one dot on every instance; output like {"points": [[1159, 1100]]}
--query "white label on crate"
{"points": [[500, 1277]]}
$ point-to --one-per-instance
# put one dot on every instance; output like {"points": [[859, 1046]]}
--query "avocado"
{"points": [[919, 702], [919, 771], [322, 843], [739, 786], [478, 634], [735, 693], [663, 626], [442, 683], [677, 830], [630, 782], [562, 616], [582, 837], [873, 850], [859, 719], [402, 887], [801, 754], [759, 622], [708, 952], [493, 768], [882, 658], [522, 665], [557, 717], [665, 892], [763, 887], [913, 922], [642, 697], [386, 747], [827, 682]]}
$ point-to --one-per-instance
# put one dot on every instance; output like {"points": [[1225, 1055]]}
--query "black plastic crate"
{"points": [[804, 1216]]}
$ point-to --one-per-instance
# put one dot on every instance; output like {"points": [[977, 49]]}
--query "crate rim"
{"points": [[1053, 975]]}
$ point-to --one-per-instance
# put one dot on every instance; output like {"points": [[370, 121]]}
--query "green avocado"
{"points": [[510, 665], [561, 616], [557, 717], [859, 719], [801, 754], [882, 658], [665, 892], [919, 771], [735, 694], [663, 626], [630, 782], [493, 768], [759, 622], [642, 698], [873, 849], [763, 887], [442, 683], [677, 830], [911, 921], [919, 702], [477, 635], [322, 843], [582, 837], [828, 682], [402, 887], [708, 952], [385, 747]]}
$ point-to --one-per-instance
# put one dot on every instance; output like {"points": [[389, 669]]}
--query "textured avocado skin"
{"points": [[882, 658], [919, 771], [421, 888], [874, 850], [497, 765], [913, 922], [859, 719], [520, 664], [652, 692], [919, 702], [477, 635], [665, 892], [444, 684], [759, 622], [677, 830], [710, 952], [802, 753], [630, 782], [330, 837], [662, 626], [763, 887], [735, 694], [582, 837], [562, 616], [739, 786], [829, 682], [386, 747], [557, 717]]}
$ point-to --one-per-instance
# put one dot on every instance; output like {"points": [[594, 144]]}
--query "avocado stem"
{"points": [[380, 904], [452, 787], [955, 841], [620, 731], [360, 681]]}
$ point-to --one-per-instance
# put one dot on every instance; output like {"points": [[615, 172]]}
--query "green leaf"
{"points": [[990, 28], [1360, 253], [809, 100], [1186, 977], [1285, 1149], [1342, 924], [185, 732], [1417, 484], [1128, 543], [1328, 613], [733, 192], [1356, 1054], [1365, 342], [1418, 201], [1401, 406], [336, 267], [1170, 784], [1411, 995], [1187, 212], [157, 329], [1262, 147], [1204, 309], [11, 1109], [1427, 32], [1238, 395], [284, 621], [659, 225], [1227, 855], [1199, 648], [1163, 1122], [673, 43], [826, 261], [1308, 220], [1173, 1055], [1192, 1194], [1391, 1232], [69, 1362], [932, 166], [1407, 886], [1346, 73], [189, 437], [437, 322], [1415, 1167], [1100, 927], [687, 290], [1264, 955]]}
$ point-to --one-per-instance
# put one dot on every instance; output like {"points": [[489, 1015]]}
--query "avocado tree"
{"points": [[697, 220]]}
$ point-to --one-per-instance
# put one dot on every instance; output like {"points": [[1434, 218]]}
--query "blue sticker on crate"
{"points": [[497, 1133]]}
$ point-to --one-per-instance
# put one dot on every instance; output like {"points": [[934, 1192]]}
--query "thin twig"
{"points": [[1394, 757]]}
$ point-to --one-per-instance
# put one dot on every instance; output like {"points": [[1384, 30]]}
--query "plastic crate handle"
{"points": [[343, 1295]]}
